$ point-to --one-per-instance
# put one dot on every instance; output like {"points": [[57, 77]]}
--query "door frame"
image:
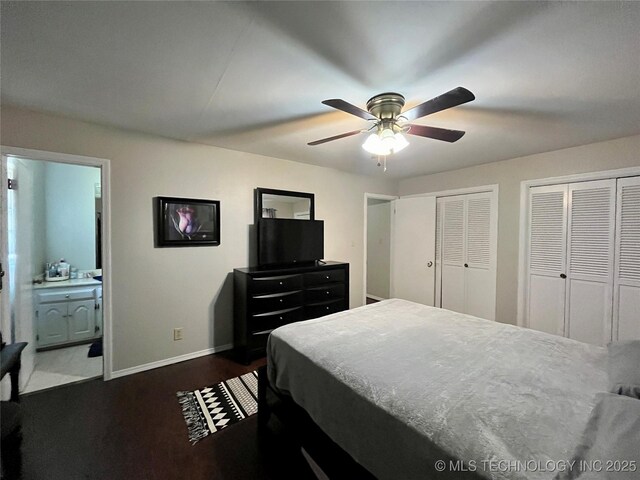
{"points": [[367, 196], [105, 179], [523, 243]]}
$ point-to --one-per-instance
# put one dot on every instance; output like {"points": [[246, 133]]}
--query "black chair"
{"points": [[10, 359], [10, 410]]}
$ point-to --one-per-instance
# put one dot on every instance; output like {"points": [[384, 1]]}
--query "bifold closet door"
{"points": [[480, 281], [570, 263], [413, 249], [467, 267], [547, 258], [453, 254], [590, 254], [627, 272]]}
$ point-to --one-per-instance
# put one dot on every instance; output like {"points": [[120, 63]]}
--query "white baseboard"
{"points": [[375, 297], [170, 361]]}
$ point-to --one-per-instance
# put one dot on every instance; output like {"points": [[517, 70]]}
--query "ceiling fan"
{"points": [[385, 110]]}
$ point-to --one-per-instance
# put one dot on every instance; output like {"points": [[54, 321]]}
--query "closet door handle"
{"points": [[466, 265], [429, 264], [562, 275]]}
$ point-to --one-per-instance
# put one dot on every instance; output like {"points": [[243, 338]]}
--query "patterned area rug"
{"points": [[209, 410]]}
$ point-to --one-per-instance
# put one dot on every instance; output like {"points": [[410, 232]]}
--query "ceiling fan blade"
{"points": [[349, 108], [452, 98], [435, 132], [336, 137]]}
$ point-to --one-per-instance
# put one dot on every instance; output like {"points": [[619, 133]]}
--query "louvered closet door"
{"points": [[453, 254], [547, 258], [590, 253], [480, 286], [627, 277]]}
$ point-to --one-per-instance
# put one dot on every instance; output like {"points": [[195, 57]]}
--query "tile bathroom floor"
{"points": [[61, 366]]}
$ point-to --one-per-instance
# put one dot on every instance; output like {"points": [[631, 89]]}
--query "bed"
{"points": [[399, 386]]}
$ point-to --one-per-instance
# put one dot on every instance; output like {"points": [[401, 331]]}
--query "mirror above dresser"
{"points": [[284, 204]]}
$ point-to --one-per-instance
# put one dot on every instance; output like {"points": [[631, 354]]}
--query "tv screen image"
{"points": [[282, 241]]}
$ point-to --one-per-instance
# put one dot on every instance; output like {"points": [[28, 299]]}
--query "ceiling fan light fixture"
{"points": [[385, 142], [400, 141], [387, 138], [374, 145], [391, 124]]}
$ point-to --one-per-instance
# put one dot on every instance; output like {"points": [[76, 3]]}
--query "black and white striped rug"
{"points": [[210, 409]]}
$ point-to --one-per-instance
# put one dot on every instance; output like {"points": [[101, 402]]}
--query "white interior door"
{"points": [[413, 249], [20, 240], [547, 258], [590, 253], [626, 301], [5, 322]]}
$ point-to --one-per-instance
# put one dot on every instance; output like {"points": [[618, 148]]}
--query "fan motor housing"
{"points": [[386, 105]]}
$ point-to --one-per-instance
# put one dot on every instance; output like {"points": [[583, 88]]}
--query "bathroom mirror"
{"points": [[272, 203]]}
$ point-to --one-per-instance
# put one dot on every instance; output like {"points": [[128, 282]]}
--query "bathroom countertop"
{"points": [[78, 282]]}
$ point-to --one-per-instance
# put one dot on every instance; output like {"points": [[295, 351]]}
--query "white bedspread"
{"points": [[400, 385]]}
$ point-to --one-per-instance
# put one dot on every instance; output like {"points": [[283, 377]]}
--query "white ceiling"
{"points": [[251, 76]]}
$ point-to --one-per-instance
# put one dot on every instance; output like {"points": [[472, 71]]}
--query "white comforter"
{"points": [[400, 385]]}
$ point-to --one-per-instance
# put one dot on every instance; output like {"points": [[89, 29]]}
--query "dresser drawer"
{"points": [[281, 283], [324, 308], [257, 341], [66, 295], [327, 292], [269, 302], [268, 321], [326, 276]]}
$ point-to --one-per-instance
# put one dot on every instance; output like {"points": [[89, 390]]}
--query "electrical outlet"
{"points": [[177, 334]]}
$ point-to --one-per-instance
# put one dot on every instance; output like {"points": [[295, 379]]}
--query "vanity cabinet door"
{"points": [[82, 319], [52, 323]]}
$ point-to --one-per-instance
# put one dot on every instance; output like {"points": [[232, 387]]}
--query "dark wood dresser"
{"points": [[267, 298]]}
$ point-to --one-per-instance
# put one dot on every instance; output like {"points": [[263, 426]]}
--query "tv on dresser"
{"points": [[287, 241]]}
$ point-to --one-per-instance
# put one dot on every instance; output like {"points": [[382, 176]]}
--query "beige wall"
{"points": [[157, 289], [620, 153]]}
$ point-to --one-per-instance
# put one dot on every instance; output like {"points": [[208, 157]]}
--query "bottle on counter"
{"points": [[63, 268]]}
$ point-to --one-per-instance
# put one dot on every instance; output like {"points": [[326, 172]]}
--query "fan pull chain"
{"points": [[382, 163]]}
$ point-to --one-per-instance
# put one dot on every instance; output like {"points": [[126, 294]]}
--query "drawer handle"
{"points": [[281, 300], [327, 292], [280, 283], [328, 277], [280, 318], [66, 296], [327, 308]]}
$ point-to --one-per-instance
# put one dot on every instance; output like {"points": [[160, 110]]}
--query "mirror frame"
{"points": [[259, 192]]}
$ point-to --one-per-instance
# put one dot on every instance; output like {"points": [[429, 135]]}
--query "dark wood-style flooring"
{"points": [[132, 428]]}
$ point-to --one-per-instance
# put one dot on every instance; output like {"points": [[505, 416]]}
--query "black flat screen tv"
{"points": [[285, 241]]}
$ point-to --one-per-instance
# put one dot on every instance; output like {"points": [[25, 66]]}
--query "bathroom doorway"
{"points": [[55, 236], [378, 214]]}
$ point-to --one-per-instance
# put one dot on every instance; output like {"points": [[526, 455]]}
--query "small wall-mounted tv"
{"points": [[285, 241]]}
